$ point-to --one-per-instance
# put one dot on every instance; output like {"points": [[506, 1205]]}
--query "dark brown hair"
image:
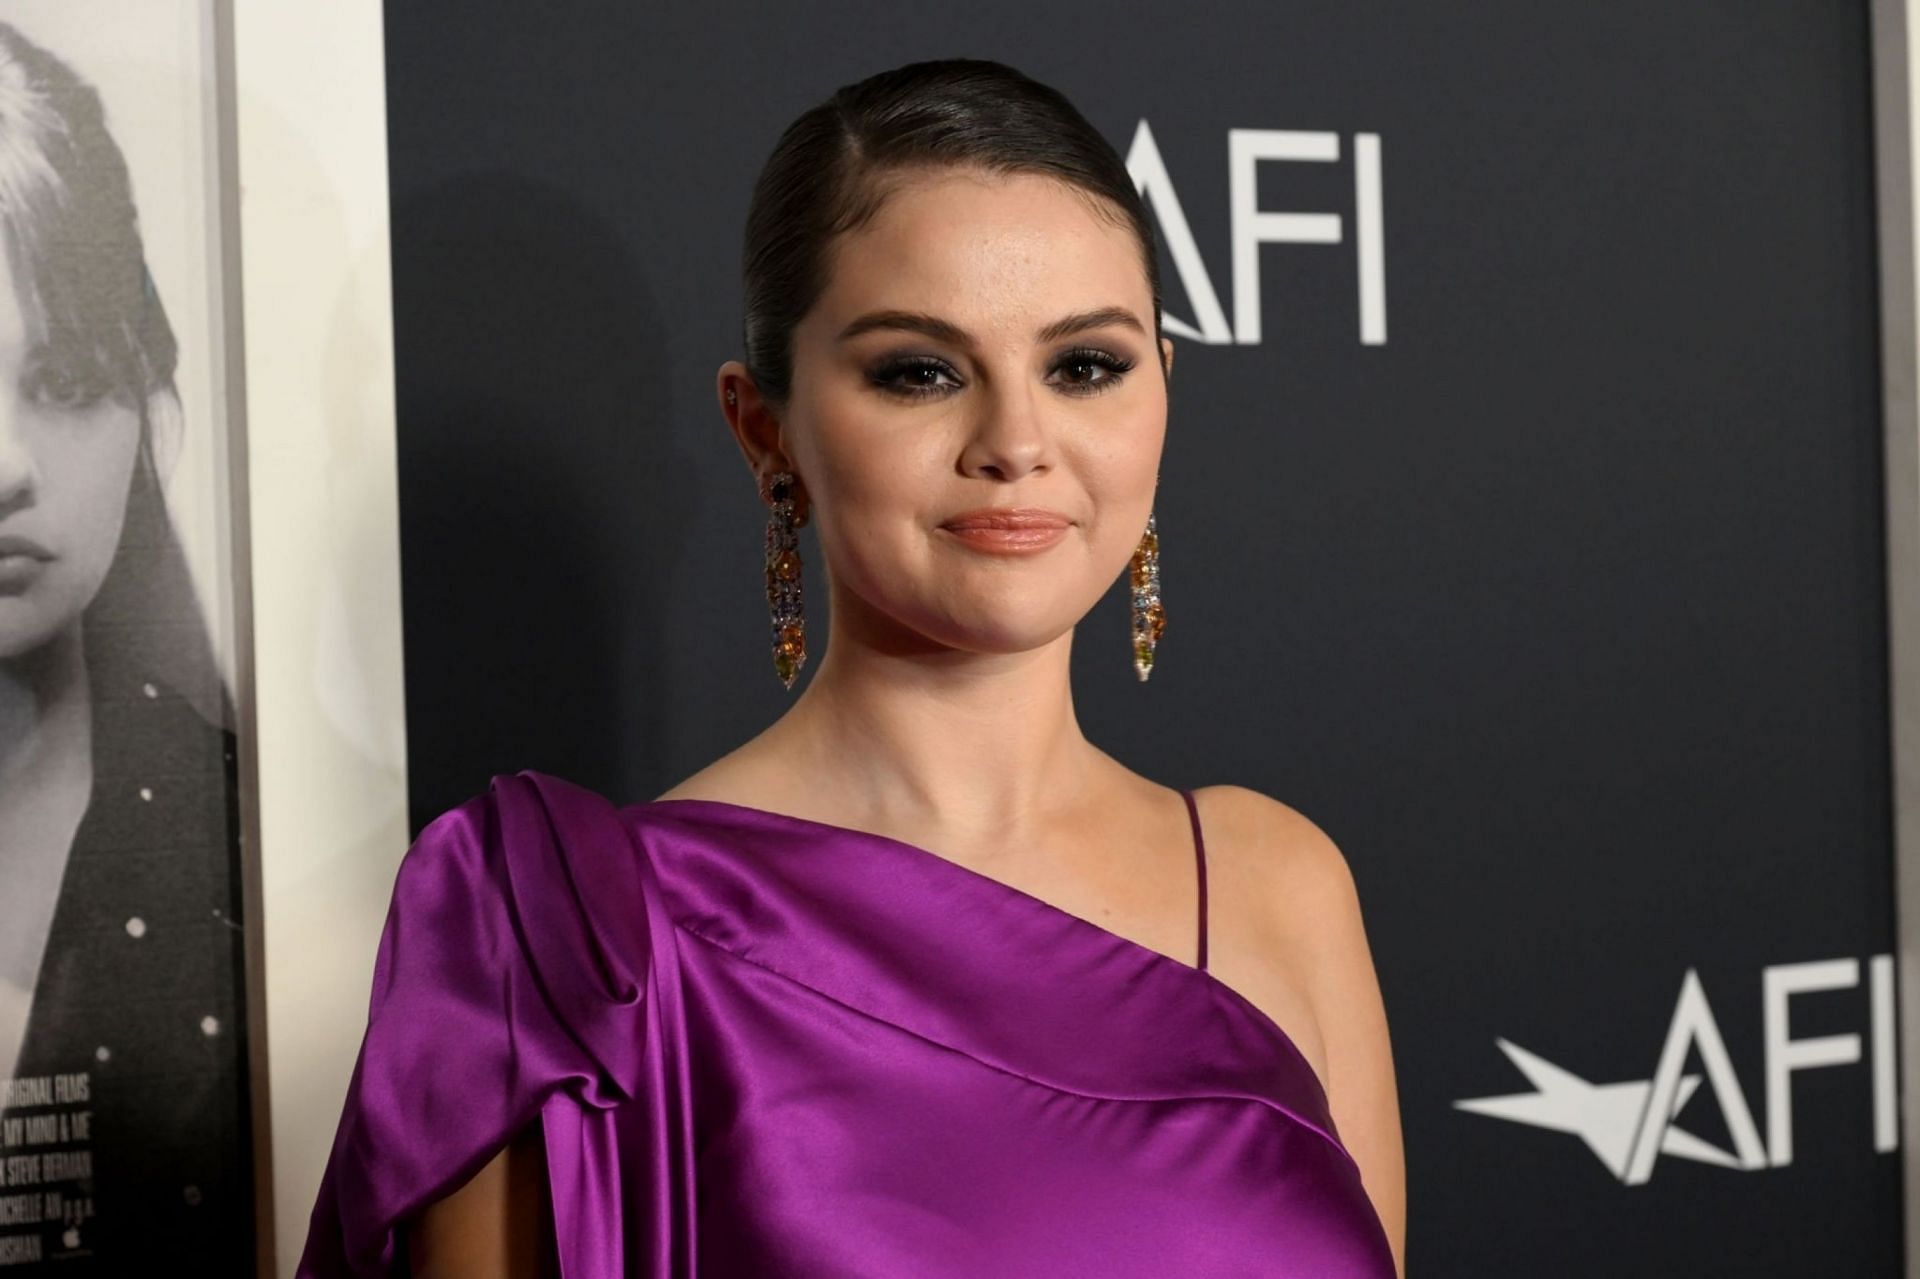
{"points": [[834, 167], [67, 213], [72, 235]]}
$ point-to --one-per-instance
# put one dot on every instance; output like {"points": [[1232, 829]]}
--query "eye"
{"points": [[1092, 371], [919, 372], [66, 384]]}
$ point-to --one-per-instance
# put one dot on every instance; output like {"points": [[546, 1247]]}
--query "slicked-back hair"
{"points": [[835, 165]]}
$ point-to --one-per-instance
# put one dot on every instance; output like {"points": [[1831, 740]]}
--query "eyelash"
{"points": [[1116, 366], [72, 387]]}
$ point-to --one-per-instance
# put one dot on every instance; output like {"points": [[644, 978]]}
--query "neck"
{"points": [[968, 742], [43, 711], [46, 781]]}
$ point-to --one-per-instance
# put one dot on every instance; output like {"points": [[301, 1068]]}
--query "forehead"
{"points": [[987, 251]]}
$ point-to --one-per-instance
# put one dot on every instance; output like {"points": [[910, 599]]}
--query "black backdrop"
{"points": [[1561, 609]]}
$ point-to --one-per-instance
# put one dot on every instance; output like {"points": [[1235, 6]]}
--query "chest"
{"points": [[1148, 892], [829, 1141]]}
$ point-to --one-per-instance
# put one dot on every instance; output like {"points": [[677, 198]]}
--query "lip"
{"points": [[1007, 517], [11, 545], [1008, 530], [19, 572]]}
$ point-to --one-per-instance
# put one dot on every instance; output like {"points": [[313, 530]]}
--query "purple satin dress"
{"points": [[762, 1045]]}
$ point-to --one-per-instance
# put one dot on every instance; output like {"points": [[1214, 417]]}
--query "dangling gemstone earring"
{"points": [[783, 577], [1149, 618]]}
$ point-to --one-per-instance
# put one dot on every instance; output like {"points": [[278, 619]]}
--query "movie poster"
{"points": [[124, 1111]]}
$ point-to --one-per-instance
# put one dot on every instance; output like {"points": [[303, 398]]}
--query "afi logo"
{"points": [[1254, 226], [1627, 1124]]}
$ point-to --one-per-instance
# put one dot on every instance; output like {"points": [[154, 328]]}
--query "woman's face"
{"points": [[985, 341], [66, 460]]}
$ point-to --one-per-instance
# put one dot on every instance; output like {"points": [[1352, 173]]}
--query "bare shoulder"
{"points": [[752, 773], [725, 780], [1306, 893], [1307, 889], [1283, 847]]}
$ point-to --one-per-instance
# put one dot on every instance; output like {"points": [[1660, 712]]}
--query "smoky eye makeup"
{"points": [[913, 376], [1088, 370], [1105, 369]]}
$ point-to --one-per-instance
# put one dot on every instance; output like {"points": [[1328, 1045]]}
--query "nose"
{"points": [[1010, 437]]}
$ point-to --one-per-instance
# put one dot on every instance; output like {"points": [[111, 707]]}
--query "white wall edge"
{"points": [[328, 807]]}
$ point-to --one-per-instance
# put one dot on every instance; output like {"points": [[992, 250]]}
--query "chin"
{"points": [[999, 635], [23, 628]]}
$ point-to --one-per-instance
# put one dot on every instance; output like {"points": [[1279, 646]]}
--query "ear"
{"points": [[756, 427], [1166, 355]]}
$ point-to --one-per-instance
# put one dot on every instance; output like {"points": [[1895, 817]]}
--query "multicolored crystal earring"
{"points": [[1149, 618], [783, 576]]}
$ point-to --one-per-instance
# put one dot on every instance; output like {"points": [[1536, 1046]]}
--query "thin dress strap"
{"points": [[1200, 858]]}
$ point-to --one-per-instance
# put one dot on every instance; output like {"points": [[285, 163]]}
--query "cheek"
{"points": [[870, 519], [88, 475], [870, 470], [84, 479], [1121, 464]]}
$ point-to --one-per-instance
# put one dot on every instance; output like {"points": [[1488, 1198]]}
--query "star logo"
{"points": [[1629, 1123], [1604, 1116]]}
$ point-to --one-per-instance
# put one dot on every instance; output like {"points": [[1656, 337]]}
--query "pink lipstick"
{"points": [[1009, 530]]}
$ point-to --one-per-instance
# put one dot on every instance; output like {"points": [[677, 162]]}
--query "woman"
{"points": [[758, 1025], [120, 955]]}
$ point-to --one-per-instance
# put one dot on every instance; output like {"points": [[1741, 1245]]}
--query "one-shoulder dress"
{"points": [[762, 1045]]}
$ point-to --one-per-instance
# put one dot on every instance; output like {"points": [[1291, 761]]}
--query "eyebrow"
{"points": [[941, 330]]}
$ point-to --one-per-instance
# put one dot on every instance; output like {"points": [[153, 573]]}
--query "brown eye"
{"points": [[1091, 371], [915, 377]]}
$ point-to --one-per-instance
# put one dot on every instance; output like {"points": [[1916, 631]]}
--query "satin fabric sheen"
{"points": [[763, 1045]]}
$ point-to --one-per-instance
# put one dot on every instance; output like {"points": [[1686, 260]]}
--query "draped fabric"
{"points": [[758, 1044]]}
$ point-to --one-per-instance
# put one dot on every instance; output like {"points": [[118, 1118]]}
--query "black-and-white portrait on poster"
{"points": [[124, 1110]]}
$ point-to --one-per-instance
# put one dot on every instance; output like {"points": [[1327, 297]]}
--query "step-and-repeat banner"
{"points": [[1520, 520]]}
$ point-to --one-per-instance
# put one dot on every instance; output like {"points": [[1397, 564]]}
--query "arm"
{"points": [[495, 993], [499, 1225], [1345, 993]]}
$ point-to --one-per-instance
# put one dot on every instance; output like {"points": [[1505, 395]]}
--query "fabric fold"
{"points": [[508, 973], [762, 1045]]}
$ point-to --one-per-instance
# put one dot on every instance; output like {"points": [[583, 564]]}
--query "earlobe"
{"points": [[757, 429]]}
